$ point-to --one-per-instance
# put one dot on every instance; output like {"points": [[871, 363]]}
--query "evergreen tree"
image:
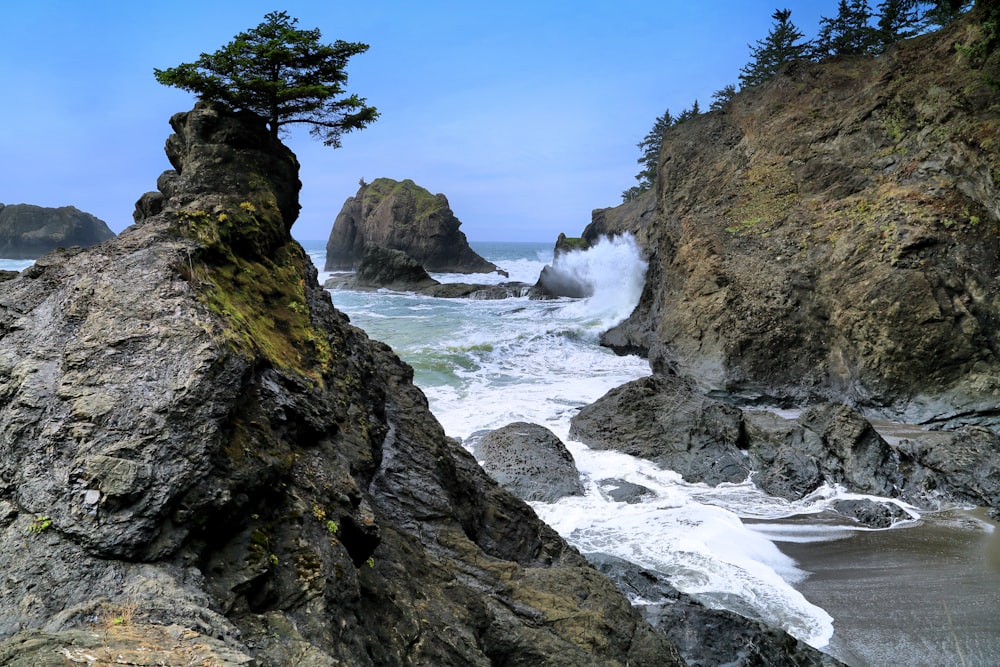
{"points": [[849, 33], [282, 74], [781, 45], [721, 97], [650, 146], [897, 20]]}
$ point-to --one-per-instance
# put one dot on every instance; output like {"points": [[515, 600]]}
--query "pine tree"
{"points": [[721, 97], [781, 46], [847, 34], [650, 146], [897, 20]]}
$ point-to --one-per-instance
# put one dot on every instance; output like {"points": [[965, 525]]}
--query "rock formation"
{"points": [[28, 231], [401, 215], [203, 460], [834, 234], [530, 461]]}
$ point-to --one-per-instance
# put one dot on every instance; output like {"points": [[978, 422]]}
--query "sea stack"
{"points": [[401, 215]]}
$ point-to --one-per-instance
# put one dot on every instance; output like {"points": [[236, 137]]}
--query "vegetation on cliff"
{"points": [[284, 75]]}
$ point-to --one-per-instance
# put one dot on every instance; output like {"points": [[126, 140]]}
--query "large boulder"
{"points": [[401, 215], [28, 231], [203, 459], [391, 269], [667, 420], [833, 234], [530, 461]]}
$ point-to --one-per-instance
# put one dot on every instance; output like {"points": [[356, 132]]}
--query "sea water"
{"points": [[485, 364]]}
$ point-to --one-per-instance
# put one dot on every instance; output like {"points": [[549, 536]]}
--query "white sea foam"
{"points": [[484, 364]]}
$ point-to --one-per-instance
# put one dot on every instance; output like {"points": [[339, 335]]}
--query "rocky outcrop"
{"points": [[401, 215], [530, 461], [834, 234], [668, 420], [391, 269], [734, 640], [203, 458], [28, 231]]}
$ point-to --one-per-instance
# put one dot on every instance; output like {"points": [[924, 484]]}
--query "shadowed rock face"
{"points": [[401, 215], [27, 231], [833, 234], [202, 457]]}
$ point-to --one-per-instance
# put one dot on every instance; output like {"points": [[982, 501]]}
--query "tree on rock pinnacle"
{"points": [[284, 75]]}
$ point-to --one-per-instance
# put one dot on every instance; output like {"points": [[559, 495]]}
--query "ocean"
{"points": [[926, 592]]}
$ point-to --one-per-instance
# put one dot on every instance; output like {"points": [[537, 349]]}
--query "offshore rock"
{"points": [[391, 269], [202, 458], [530, 461], [28, 231], [833, 234], [401, 215]]}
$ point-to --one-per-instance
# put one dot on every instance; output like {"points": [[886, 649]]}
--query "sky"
{"points": [[525, 115]]}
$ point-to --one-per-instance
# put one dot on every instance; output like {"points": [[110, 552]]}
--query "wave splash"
{"points": [[611, 273]]}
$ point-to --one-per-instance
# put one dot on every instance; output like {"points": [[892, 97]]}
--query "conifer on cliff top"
{"points": [[284, 75]]}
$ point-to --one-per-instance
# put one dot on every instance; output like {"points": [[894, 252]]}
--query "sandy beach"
{"points": [[923, 595]]}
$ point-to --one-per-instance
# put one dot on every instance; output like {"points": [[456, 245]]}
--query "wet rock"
{"points": [[667, 420], [530, 461], [706, 637], [622, 491], [871, 513]]}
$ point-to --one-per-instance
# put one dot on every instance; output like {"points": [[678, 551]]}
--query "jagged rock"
{"points": [[530, 461], [561, 283], [392, 269], [666, 420], [623, 491], [833, 235], [870, 513], [827, 443], [734, 641], [401, 216], [194, 433], [28, 231]]}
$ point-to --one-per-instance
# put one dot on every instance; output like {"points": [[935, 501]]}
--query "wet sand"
{"points": [[923, 595]]}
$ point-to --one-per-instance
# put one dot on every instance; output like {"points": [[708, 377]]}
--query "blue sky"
{"points": [[526, 115]]}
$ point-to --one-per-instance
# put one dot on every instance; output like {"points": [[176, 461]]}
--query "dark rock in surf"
{"points": [[530, 461], [392, 269], [558, 282], [28, 231], [828, 443], [401, 215], [871, 513], [706, 637], [666, 420], [622, 491]]}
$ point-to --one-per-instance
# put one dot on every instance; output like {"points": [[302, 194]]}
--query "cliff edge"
{"points": [[834, 234], [203, 462]]}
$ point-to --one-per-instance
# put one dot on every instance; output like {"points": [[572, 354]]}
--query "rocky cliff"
{"points": [[401, 215], [834, 234], [28, 231], [203, 462]]}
